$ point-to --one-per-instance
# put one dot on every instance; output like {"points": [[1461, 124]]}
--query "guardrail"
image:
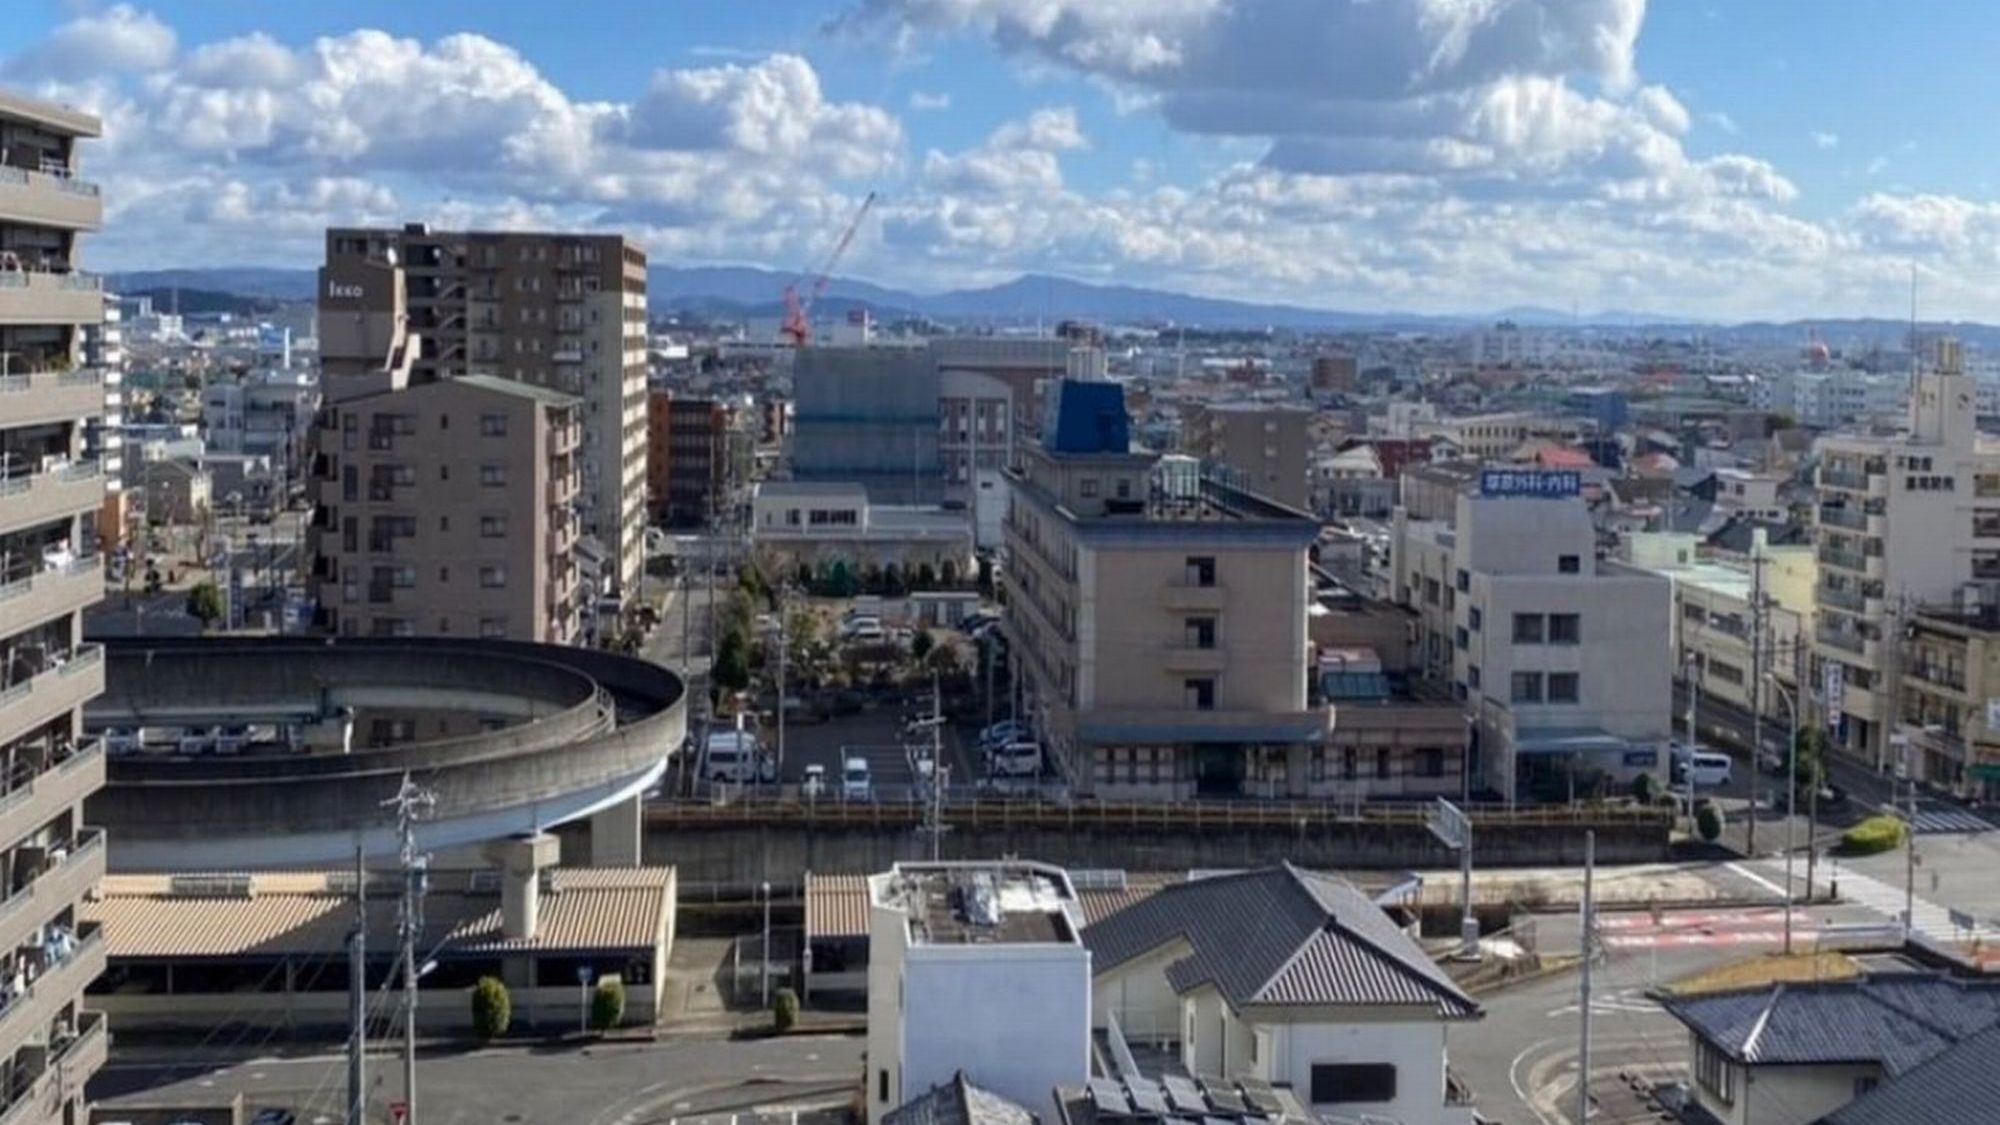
{"points": [[1139, 814]]}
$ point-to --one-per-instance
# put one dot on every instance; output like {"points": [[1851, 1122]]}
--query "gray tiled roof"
{"points": [[1279, 935], [958, 1102], [1899, 1021], [1958, 1085]]}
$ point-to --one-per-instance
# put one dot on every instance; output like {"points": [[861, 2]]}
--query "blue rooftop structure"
{"points": [[1089, 418]]}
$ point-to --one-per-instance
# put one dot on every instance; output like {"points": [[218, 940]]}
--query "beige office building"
{"points": [[566, 312], [1263, 448], [445, 508], [1159, 625], [50, 1045], [1904, 523]]}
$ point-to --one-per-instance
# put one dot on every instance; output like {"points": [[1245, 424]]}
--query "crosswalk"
{"points": [[1686, 929], [1938, 820], [1931, 920]]}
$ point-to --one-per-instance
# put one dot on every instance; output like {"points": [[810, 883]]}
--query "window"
{"points": [[1565, 628], [1381, 763], [1713, 1073], [1087, 488], [444, 574], [1563, 687], [492, 425], [1694, 613], [1200, 632], [444, 421], [1431, 591], [492, 577], [1464, 581], [1527, 687], [1340, 1083], [1200, 570], [492, 527], [350, 483], [1430, 762], [1474, 618], [493, 476], [1199, 694], [1472, 676], [1347, 763], [1527, 628], [493, 628], [882, 1085], [1462, 639], [1568, 564]]}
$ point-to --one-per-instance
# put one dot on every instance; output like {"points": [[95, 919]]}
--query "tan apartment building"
{"points": [[52, 491], [1159, 623], [1903, 522], [1950, 697], [556, 310], [1265, 448]]}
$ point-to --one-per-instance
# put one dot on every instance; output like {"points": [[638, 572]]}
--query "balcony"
{"points": [[66, 877], [45, 297], [1854, 601], [58, 688], [29, 499], [1985, 567], [56, 591], [51, 1078], [49, 199], [59, 985], [1833, 515], [1846, 642], [1845, 560], [1951, 679], [50, 396], [1841, 478], [1185, 596]]}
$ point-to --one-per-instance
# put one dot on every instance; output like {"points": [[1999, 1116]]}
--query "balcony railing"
{"points": [[1846, 560], [1840, 478], [1940, 675], [70, 967], [1844, 598], [1851, 518], [39, 1093], [1849, 642]]}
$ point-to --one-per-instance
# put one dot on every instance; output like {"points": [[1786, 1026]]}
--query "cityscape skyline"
{"points": [[1683, 160]]}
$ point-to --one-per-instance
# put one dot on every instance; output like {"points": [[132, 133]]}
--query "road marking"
{"points": [[1514, 1079], [1755, 878]]}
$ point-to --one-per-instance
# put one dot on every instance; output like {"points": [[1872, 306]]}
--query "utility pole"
{"points": [[784, 646], [1757, 561], [1909, 840], [1791, 806], [1687, 772], [357, 998], [1589, 923], [937, 767], [410, 802]]}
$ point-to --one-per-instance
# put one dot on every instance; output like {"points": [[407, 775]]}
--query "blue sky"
{"points": [[1710, 158]]}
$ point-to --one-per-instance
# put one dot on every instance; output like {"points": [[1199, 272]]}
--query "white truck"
{"points": [[731, 756]]}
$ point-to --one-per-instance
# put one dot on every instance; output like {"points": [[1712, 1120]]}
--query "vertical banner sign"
{"points": [[1836, 692]]}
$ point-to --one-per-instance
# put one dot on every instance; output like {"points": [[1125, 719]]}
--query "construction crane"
{"points": [[797, 327]]}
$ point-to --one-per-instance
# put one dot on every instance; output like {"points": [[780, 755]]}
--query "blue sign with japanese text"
{"points": [[1552, 483]]}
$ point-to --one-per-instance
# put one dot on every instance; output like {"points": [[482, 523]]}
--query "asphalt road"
{"points": [[603, 1084]]}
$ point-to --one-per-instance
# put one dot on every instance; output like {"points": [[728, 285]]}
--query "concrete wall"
{"points": [[1015, 1017], [753, 853], [1414, 1046]]}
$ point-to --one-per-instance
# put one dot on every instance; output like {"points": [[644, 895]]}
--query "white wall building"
{"points": [[976, 967]]}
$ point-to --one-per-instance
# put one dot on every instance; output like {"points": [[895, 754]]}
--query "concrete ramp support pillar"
{"points": [[616, 832], [521, 860]]}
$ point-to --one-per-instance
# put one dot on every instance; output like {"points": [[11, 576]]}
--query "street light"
{"points": [[764, 951], [1791, 798]]}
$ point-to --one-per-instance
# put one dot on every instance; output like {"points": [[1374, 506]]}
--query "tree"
{"points": [[1811, 755], [893, 585], [204, 604], [607, 1004], [985, 581], [492, 1009], [784, 1010], [1642, 788], [921, 645], [926, 578], [803, 575], [732, 661], [948, 574]]}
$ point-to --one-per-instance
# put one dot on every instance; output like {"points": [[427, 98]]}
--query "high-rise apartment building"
{"points": [[445, 508], [50, 1045], [566, 312], [1159, 618], [1905, 522], [687, 458], [1262, 448]]}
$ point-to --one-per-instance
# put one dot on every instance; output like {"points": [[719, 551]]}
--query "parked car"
{"points": [[813, 786], [1003, 732], [730, 756], [863, 630], [855, 782], [973, 622], [1016, 759]]}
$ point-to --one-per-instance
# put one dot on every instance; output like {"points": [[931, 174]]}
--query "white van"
{"points": [[855, 782], [1711, 769], [1016, 759], [731, 756]]}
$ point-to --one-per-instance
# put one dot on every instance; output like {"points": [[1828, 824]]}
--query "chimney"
{"points": [[521, 860]]}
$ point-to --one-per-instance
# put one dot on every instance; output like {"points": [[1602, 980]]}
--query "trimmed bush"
{"points": [[492, 1009], [1708, 821], [1876, 834], [784, 1010], [607, 1004], [1643, 788]]}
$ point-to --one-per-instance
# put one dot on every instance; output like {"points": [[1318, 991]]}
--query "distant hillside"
{"points": [[242, 281], [204, 302]]}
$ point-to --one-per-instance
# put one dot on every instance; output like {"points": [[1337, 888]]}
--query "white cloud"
{"points": [[120, 39], [1824, 140], [925, 101], [1722, 121]]}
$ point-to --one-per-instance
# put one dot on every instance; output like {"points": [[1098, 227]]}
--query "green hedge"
{"points": [[492, 1009], [1876, 834]]}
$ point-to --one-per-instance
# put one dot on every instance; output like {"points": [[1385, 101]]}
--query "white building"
{"points": [[976, 967], [1288, 977], [1561, 655], [1742, 492]]}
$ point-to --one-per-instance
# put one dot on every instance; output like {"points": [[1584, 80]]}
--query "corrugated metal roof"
{"points": [[295, 914], [836, 906]]}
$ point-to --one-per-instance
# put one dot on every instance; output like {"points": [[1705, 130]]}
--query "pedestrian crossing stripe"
{"points": [[1948, 820]]}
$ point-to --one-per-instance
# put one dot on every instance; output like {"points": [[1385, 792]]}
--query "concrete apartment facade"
{"points": [[50, 1044], [1903, 522], [442, 508], [566, 312], [1951, 673], [1160, 633], [1561, 657], [687, 450], [1265, 448]]}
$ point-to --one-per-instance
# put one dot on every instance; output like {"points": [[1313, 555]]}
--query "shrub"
{"points": [[607, 1004], [492, 1009], [204, 604], [784, 1010], [1876, 834], [1708, 821], [1642, 788]]}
